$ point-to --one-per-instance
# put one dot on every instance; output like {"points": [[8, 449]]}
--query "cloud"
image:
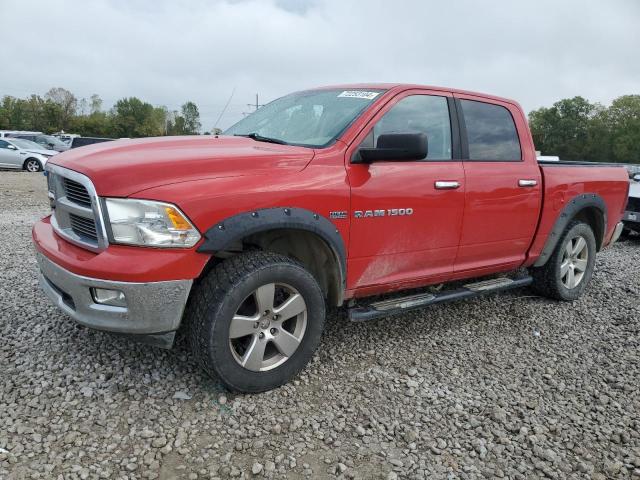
{"points": [[167, 52]]}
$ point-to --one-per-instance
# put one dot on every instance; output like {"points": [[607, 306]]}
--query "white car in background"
{"points": [[23, 154], [9, 133], [631, 216]]}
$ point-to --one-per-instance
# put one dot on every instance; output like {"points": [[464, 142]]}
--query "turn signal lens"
{"points": [[179, 222]]}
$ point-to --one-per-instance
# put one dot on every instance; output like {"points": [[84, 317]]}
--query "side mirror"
{"points": [[399, 147], [636, 177], [12, 147]]}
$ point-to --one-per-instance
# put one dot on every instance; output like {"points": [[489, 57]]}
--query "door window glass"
{"points": [[420, 114], [491, 132]]}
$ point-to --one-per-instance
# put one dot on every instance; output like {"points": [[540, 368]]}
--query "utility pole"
{"points": [[256, 106]]}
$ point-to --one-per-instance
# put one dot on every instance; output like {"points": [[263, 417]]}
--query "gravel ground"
{"points": [[512, 386]]}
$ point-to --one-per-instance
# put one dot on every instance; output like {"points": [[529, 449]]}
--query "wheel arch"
{"points": [[587, 207], [304, 235]]}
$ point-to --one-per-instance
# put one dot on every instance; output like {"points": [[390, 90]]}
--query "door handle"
{"points": [[446, 185], [527, 183]]}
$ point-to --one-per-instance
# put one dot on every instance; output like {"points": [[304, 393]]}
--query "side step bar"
{"points": [[394, 306]]}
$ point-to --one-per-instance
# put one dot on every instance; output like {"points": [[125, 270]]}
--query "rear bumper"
{"points": [[152, 308], [616, 233]]}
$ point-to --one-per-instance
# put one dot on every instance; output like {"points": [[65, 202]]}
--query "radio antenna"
{"points": [[225, 107]]}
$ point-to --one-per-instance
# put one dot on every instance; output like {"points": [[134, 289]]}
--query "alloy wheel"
{"points": [[33, 166], [268, 327], [575, 258]]}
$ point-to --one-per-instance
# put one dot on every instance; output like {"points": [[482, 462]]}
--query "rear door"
{"points": [[503, 185], [405, 226]]}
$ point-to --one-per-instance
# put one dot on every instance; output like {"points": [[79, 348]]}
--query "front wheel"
{"points": [[32, 165], [570, 268], [255, 320]]}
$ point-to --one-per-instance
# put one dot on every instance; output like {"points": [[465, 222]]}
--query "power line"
{"points": [[256, 105]]}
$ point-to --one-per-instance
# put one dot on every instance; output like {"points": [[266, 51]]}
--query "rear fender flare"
{"points": [[568, 213]]}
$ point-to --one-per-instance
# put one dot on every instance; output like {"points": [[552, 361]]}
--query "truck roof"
{"points": [[409, 86]]}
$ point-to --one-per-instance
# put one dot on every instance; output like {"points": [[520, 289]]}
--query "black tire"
{"points": [[548, 280], [32, 161], [218, 297]]}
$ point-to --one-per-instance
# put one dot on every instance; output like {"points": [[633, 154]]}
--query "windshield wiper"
{"points": [[259, 138]]}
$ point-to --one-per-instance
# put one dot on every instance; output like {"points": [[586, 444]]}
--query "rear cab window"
{"points": [[491, 132]]}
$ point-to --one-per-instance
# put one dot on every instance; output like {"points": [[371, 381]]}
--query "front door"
{"points": [[9, 157], [406, 215]]}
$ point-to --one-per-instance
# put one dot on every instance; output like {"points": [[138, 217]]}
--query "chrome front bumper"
{"points": [[152, 308]]}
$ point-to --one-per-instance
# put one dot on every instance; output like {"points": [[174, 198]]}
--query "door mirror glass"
{"points": [[399, 147]]}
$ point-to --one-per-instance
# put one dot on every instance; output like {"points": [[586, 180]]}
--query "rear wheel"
{"points": [[570, 268], [32, 165], [255, 321]]}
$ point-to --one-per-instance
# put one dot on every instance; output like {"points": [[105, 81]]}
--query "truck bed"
{"points": [[564, 180]]}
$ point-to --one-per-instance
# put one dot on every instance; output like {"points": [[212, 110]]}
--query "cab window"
{"points": [[419, 114], [491, 132]]}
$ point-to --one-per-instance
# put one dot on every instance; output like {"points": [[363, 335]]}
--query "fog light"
{"points": [[105, 296]]}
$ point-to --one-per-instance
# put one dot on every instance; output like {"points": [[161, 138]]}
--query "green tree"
{"points": [[191, 117], [67, 103], [624, 121], [563, 129], [95, 103], [131, 117], [14, 113]]}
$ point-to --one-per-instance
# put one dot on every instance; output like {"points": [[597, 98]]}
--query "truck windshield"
{"points": [[313, 118]]}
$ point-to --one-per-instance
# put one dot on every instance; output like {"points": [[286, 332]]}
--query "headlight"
{"points": [[148, 223]]}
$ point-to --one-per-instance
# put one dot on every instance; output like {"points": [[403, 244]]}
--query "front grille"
{"points": [[76, 214], [633, 205], [76, 193], [83, 227]]}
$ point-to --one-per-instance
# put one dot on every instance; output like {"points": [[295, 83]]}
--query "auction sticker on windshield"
{"points": [[359, 94]]}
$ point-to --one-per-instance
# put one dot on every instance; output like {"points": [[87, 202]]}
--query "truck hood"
{"points": [[124, 167]]}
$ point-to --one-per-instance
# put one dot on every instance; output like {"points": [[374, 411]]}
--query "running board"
{"points": [[394, 306]]}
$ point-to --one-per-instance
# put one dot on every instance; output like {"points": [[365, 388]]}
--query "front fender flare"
{"points": [[226, 233]]}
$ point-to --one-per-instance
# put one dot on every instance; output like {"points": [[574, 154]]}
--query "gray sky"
{"points": [[169, 51]]}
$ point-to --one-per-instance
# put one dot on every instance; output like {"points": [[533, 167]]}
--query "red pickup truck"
{"points": [[319, 198]]}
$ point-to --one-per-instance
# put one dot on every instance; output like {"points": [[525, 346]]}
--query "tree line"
{"points": [[575, 129], [572, 128], [59, 109]]}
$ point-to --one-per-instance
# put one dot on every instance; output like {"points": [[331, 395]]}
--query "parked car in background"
{"points": [[48, 142], [66, 137], [83, 141], [631, 216], [23, 154], [11, 133]]}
